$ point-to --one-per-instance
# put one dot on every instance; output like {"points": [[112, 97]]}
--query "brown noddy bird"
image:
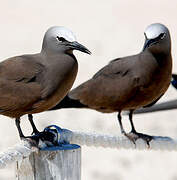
{"points": [[35, 83], [130, 82]]}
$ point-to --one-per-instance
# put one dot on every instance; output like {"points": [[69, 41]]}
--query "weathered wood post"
{"points": [[62, 162], [55, 164]]}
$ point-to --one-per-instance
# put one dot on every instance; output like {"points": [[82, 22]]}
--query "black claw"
{"points": [[50, 138], [35, 132], [33, 140], [133, 136]]}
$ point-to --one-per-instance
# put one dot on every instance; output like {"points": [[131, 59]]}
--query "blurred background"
{"points": [[109, 29]]}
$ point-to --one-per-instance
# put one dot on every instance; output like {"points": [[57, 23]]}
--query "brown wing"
{"points": [[115, 84], [20, 68], [107, 87], [19, 86]]}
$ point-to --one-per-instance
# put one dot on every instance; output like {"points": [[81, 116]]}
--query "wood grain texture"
{"points": [[50, 165]]}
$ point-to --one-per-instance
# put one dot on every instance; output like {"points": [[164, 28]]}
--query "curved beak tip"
{"points": [[80, 47], [88, 52]]}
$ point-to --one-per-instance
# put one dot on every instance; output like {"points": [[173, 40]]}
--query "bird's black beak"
{"points": [[150, 42], [77, 46], [147, 43]]}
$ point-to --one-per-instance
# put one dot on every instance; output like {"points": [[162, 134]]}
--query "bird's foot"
{"points": [[49, 138], [133, 136], [31, 140], [35, 132]]}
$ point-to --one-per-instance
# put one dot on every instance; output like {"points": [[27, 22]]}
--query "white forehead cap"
{"points": [[154, 30], [61, 32]]}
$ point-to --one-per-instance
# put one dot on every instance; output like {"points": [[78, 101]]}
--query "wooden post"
{"points": [[51, 165]]}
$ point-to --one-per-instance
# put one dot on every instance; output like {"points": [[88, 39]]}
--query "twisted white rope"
{"points": [[120, 142], [24, 148], [15, 153]]}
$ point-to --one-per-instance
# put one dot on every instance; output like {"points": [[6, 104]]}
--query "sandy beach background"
{"points": [[109, 29]]}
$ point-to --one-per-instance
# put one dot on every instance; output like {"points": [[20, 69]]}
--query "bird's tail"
{"points": [[67, 102], [158, 107]]}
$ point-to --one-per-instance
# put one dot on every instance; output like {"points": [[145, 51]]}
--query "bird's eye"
{"points": [[162, 35], [61, 39]]}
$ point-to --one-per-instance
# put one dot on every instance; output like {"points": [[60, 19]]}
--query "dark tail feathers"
{"points": [[68, 103]]}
